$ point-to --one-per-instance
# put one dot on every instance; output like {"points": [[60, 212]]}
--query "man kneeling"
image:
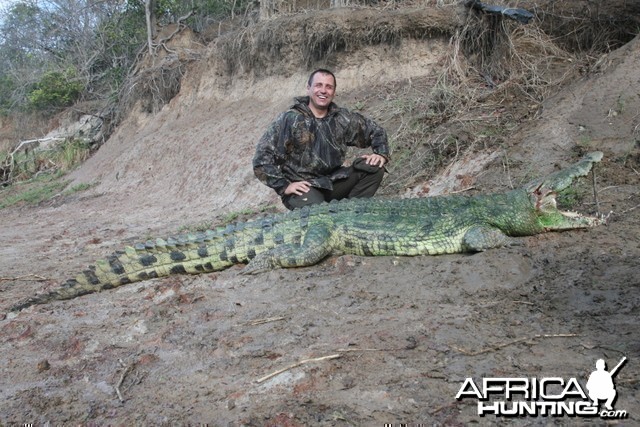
{"points": [[301, 154]]}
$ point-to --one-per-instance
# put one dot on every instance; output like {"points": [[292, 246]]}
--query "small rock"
{"points": [[43, 365], [231, 403], [411, 343]]}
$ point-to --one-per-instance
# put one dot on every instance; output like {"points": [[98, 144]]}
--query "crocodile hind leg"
{"points": [[314, 248]]}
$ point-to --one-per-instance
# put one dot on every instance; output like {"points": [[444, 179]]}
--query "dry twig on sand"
{"points": [[126, 371], [295, 365], [517, 341], [330, 357]]}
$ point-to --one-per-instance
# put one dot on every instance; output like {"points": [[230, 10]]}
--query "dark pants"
{"points": [[358, 184]]}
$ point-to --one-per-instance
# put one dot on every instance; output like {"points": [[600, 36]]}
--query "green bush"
{"points": [[55, 89]]}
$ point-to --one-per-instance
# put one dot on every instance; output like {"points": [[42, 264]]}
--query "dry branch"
{"points": [[295, 365], [122, 377], [332, 356], [38, 140], [517, 341], [256, 322]]}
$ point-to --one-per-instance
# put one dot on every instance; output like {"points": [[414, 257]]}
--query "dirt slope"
{"points": [[398, 335]]}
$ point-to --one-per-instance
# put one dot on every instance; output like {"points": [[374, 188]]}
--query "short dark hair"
{"points": [[322, 71]]}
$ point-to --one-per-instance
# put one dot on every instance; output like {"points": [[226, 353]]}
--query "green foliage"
{"points": [[70, 154], [38, 174], [7, 87], [223, 8], [99, 40], [121, 36], [55, 89], [37, 191], [169, 11], [79, 187]]}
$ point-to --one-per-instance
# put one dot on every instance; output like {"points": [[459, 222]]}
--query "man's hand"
{"points": [[374, 159], [297, 188]]}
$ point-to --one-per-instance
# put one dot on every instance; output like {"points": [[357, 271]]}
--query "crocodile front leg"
{"points": [[481, 238], [317, 244]]}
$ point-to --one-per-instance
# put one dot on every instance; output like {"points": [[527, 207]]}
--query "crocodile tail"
{"points": [[106, 274], [150, 260], [70, 289]]}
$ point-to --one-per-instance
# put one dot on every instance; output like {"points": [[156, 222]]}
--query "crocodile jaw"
{"points": [[553, 219]]}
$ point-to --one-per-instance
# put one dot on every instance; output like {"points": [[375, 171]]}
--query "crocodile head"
{"points": [[549, 217], [543, 193]]}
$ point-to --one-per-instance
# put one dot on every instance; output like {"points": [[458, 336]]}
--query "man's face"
{"points": [[321, 92]]}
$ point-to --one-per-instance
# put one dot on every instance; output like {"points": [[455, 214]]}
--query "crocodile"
{"points": [[365, 227]]}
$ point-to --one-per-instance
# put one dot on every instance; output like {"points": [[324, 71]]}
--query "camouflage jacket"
{"points": [[297, 146]]}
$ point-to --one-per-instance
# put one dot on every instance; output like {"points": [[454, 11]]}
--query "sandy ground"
{"points": [[351, 341]]}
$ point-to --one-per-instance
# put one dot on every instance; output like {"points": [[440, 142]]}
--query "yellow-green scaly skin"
{"points": [[366, 227]]}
